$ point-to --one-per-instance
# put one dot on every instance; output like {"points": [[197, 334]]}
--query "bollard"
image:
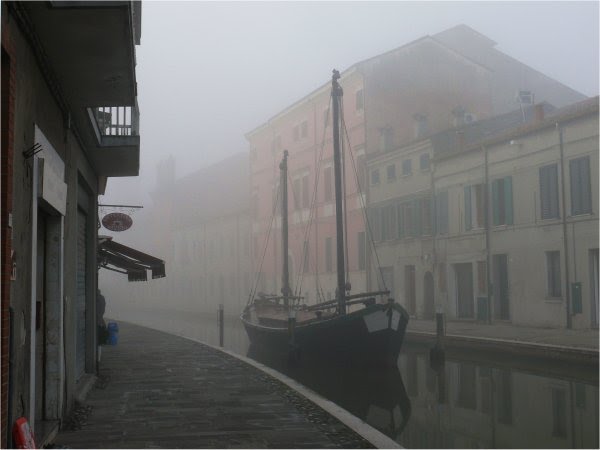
{"points": [[440, 332], [221, 326]]}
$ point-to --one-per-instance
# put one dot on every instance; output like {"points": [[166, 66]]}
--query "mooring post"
{"points": [[440, 331], [437, 354], [221, 326]]}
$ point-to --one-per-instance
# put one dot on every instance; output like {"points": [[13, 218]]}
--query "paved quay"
{"points": [[552, 343], [157, 390]]}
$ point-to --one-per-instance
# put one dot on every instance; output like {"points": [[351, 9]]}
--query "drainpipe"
{"points": [[34, 213], [487, 236], [564, 225]]}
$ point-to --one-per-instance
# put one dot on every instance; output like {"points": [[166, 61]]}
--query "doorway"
{"points": [[594, 286], [501, 288], [464, 290], [428, 298], [40, 320], [409, 289]]}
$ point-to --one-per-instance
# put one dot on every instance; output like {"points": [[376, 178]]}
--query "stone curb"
{"points": [[582, 354], [366, 431]]}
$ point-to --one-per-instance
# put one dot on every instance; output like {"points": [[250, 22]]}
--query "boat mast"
{"points": [[336, 94], [285, 277]]}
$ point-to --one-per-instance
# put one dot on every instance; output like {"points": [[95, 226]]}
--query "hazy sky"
{"points": [[208, 72]]}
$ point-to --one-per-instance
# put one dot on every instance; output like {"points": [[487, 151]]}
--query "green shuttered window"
{"points": [[581, 194], [502, 201]]}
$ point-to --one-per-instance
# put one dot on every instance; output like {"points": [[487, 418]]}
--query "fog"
{"points": [[209, 72]]}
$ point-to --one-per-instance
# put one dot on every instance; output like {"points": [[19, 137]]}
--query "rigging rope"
{"points": [[274, 209], [344, 197], [312, 211], [364, 209]]}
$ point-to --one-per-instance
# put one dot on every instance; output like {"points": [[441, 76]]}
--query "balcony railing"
{"points": [[115, 121]]}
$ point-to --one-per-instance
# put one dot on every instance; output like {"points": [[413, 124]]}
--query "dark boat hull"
{"points": [[370, 336]]}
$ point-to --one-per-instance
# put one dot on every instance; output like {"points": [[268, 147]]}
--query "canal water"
{"points": [[468, 402]]}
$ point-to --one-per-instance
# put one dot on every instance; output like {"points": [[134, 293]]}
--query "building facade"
{"points": [[498, 228], [390, 100], [69, 121]]}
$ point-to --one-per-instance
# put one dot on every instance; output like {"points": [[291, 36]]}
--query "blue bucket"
{"points": [[113, 333]]}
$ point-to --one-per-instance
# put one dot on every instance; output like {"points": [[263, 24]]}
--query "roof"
{"points": [[555, 117], [363, 62], [449, 140]]}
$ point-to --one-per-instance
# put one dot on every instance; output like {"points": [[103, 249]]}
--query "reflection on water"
{"points": [[376, 396], [460, 404], [485, 406]]}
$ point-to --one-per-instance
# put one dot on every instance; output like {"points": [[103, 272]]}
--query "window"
{"points": [[362, 171], [305, 192], [424, 161], [481, 277], [375, 223], [559, 412], [549, 192], [296, 132], [406, 167], [328, 180], [391, 172], [305, 258], [375, 176], [474, 207], [389, 226], [421, 127], [386, 139], [502, 201], [553, 274], [304, 129], [359, 100], [361, 250], [442, 212], [328, 255], [425, 206], [581, 195], [408, 219], [442, 277], [296, 193]]}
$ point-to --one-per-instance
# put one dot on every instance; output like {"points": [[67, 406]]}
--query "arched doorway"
{"points": [[428, 300]]}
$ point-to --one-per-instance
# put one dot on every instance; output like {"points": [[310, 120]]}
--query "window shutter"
{"points": [[375, 224], [508, 203], [400, 221], [416, 218], [549, 192], [496, 201], [468, 224], [584, 177], [575, 175], [442, 212]]}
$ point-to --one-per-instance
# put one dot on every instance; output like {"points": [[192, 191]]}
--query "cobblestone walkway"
{"points": [[157, 390]]}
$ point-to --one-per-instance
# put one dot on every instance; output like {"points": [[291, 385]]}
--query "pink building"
{"points": [[405, 94]]}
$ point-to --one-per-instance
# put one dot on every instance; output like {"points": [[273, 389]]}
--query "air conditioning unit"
{"points": [[525, 97]]}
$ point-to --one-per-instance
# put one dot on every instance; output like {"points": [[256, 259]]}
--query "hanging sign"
{"points": [[117, 222]]}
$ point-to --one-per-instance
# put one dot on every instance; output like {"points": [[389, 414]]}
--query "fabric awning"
{"points": [[126, 260]]}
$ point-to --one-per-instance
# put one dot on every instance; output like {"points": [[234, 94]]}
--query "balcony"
{"points": [[117, 133]]}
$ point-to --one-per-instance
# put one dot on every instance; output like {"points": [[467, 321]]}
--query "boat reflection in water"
{"points": [[377, 396]]}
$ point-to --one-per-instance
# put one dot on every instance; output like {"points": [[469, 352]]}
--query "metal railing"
{"points": [[117, 120]]}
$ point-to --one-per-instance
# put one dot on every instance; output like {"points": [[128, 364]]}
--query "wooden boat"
{"points": [[355, 328]]}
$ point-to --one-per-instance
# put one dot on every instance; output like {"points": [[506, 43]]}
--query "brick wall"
{"points": [[6, 167]]}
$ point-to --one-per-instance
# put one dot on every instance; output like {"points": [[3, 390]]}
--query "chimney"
{"points": [[539, 113]]}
